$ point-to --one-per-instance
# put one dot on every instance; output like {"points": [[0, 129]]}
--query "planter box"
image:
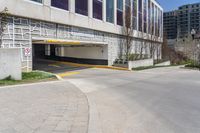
{"points": [[166, 63], [140, 63]]}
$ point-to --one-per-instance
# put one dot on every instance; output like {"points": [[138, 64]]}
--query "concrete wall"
{"points": [[44, 11], [10, 63], [140, 63], [23, 31], [166, 63], [86, 52]]}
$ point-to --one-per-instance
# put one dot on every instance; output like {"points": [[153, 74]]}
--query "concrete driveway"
{"points": [[163, 100]]}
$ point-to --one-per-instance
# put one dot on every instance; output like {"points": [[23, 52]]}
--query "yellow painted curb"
{"points": [[95, 66], [67, 74]]}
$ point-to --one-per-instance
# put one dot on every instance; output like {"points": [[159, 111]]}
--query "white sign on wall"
{"points": [[27, 51]]}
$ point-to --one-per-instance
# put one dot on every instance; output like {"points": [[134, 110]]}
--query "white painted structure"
{"points": [[10, 63], [166, 63], [34, 21], [140, 63]]}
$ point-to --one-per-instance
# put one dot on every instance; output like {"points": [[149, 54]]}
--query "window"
{"points": [[134, 14], [128, 13], [120, 12], [156, 21], [81, 7], [97, 9], [39, 1], [62, 4], [140, 16], [145, 16], [110, 11], [152, 18], [149, 17]]}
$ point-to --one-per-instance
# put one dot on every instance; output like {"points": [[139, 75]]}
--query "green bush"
{"points": [[133, 57], [193, 65], [36, 75]]}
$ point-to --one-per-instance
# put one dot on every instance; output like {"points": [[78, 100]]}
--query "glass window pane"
{"points": [[120, 12], [134, 14], [62, 4], [110, 11], [97, 9], [145, 15], [81, 7], [140, 16]]}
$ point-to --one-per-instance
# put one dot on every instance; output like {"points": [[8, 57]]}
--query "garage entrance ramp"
{"points": [[71, 51]]}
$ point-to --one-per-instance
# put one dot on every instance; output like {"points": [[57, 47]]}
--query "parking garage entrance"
{"points": [[47, 51]]}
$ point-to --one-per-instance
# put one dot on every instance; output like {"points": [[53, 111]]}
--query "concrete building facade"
{"points": [[89, 31], [170, 24], [188, 19], [180, 23]]}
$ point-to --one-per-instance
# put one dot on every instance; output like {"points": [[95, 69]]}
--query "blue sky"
{"points": [[173, 4]]}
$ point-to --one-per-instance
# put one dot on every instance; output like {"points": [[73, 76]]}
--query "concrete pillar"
{"points": [[147, 16], [90, 8], [104, 10], [72, 6], [124, 11], [115, 12], [137, 15]]}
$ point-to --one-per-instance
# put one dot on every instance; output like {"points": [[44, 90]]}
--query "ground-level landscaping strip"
{"points": [[29, 77], [149, 67]]}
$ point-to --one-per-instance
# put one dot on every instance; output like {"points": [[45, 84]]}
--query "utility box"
{"points": [[10, 63]]}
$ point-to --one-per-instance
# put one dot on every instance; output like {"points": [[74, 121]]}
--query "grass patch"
{"points": [[29, 77], [147, 67], [195, 66]]}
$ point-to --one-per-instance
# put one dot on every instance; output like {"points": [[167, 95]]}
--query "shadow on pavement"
{"points": [[54, 66]]}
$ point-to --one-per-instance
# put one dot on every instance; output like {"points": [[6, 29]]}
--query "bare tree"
{"points": [[143, 45], [128, 32], [188, 46], [165, 49], [3, 23], [152, 45]]}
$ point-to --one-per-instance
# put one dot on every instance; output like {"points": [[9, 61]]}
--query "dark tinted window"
{"points": [[97, 9], [120, 12], [110, 11], [81, 7], [62, 4]]}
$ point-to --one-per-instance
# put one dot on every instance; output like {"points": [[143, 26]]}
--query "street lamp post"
{"points": [[193, 33]]}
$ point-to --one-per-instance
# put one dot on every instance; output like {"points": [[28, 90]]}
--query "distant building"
{"points": [[188, 19], [170, 24], [179, 24]]}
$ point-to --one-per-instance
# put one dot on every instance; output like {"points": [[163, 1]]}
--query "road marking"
{"points": [[67, 74], [53, 65]]}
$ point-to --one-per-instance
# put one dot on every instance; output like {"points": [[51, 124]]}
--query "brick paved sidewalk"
{"points": [[54, 107]]}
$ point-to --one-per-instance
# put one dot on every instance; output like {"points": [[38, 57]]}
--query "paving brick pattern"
{"points": [[55, 107]]}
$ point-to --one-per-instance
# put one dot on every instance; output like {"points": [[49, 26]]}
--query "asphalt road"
{"points": [[54, 67], [162, 100]]}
